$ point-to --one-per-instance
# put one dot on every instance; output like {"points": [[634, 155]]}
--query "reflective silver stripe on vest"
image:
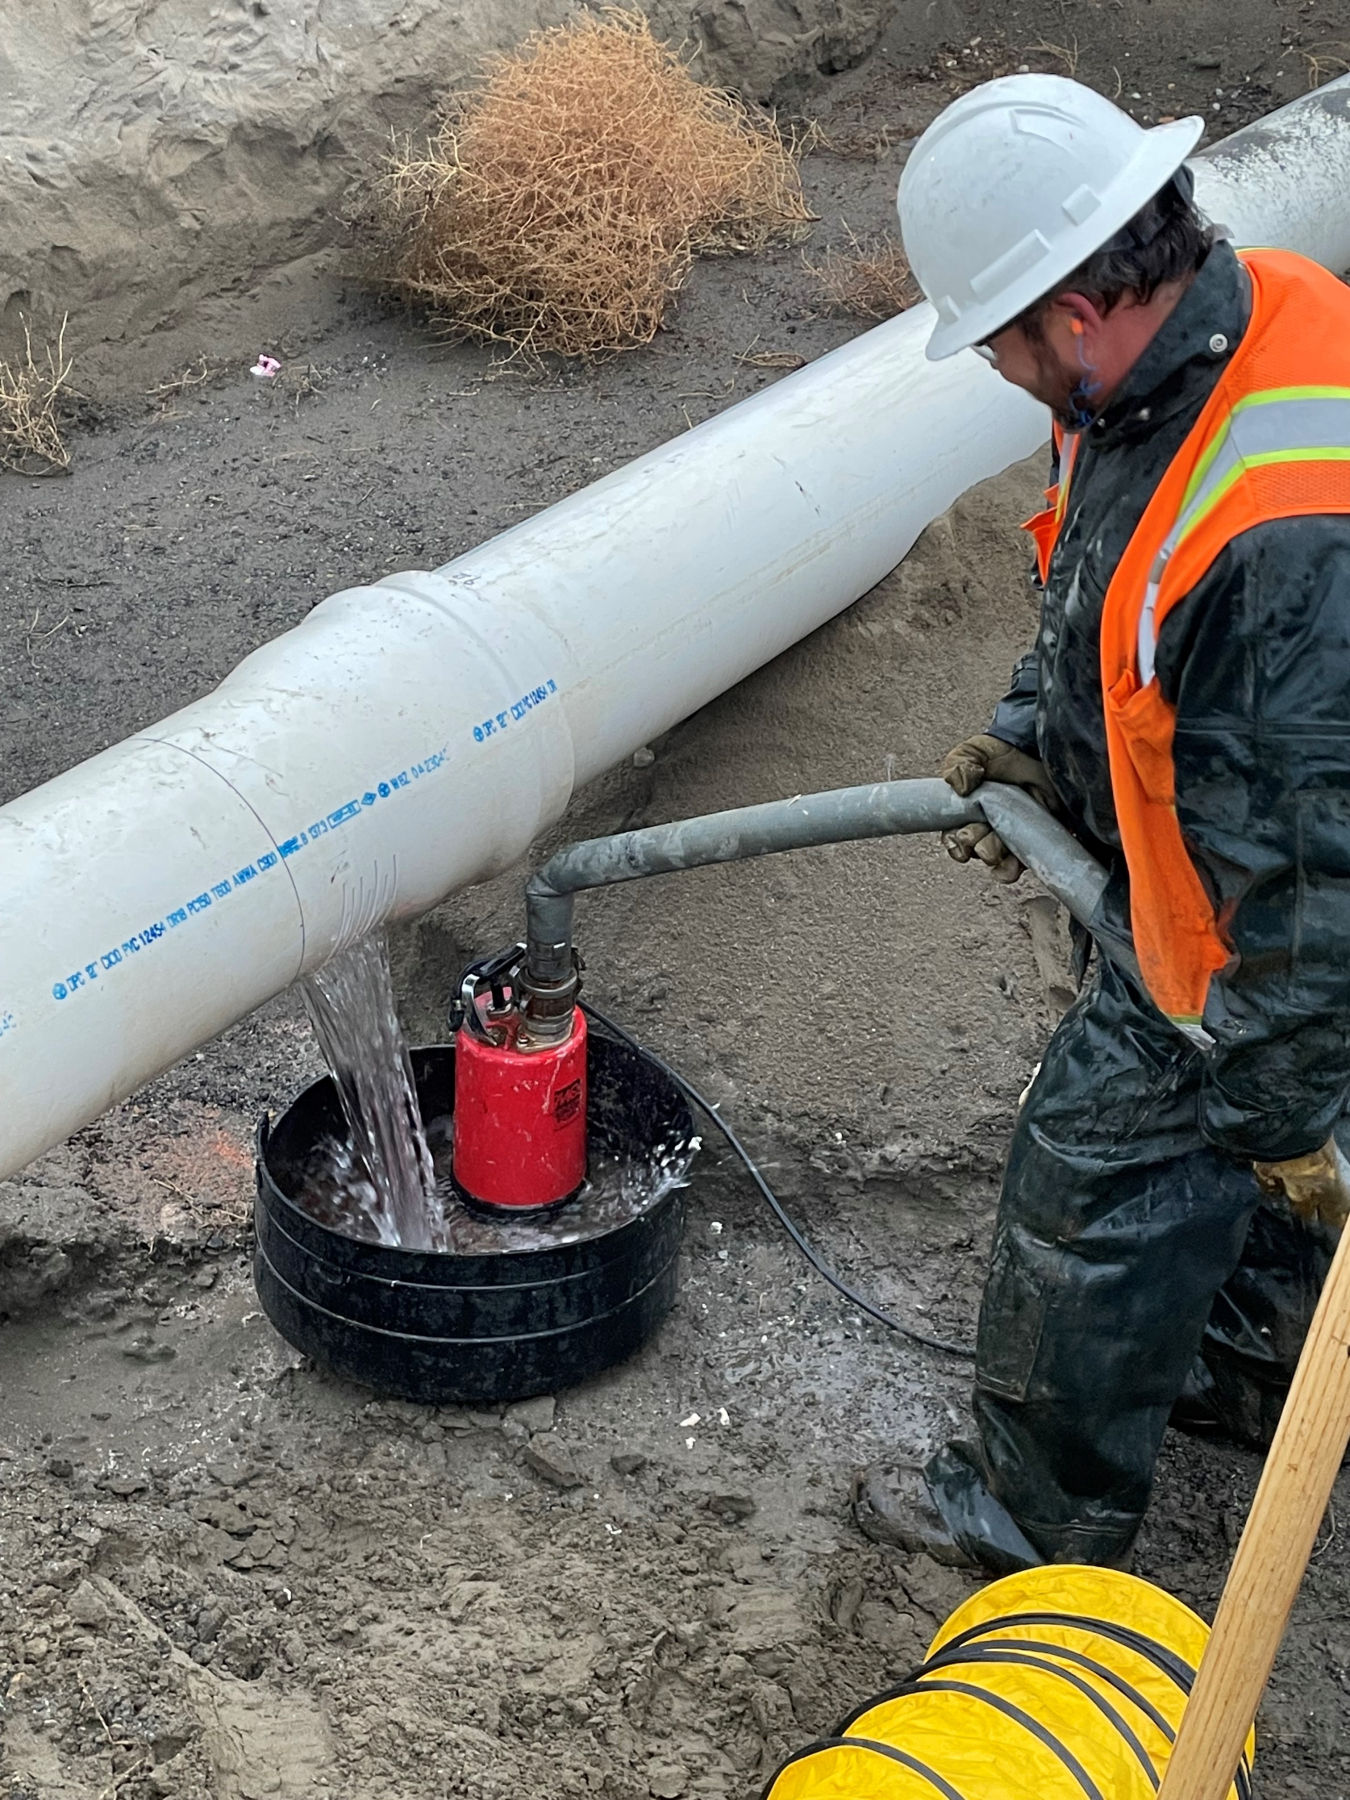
{"points": [[1262, 428], [1195, 1034]]}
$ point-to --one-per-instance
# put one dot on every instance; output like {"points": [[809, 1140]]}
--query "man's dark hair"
{"points": [[1166, 240]]}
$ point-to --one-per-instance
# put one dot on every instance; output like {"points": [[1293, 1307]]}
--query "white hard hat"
{"points": [[1013, 186]]}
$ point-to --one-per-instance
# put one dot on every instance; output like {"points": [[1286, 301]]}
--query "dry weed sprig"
{"points": [[1066, 54], [871, 281], [1323, 65], [772, 359], [30, 402], [193, 376], [560, 206]]}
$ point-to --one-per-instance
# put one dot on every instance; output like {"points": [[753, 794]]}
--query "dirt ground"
{"points": [[225, 1574]]}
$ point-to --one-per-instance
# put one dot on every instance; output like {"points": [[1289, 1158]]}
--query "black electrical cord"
{"points": [[807, 1249]]}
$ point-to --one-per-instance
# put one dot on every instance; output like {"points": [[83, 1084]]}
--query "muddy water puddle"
{"points": [[338, 1193]]}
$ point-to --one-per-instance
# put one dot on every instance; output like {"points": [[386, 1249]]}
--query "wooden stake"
{"points": [[1281, 1530]]}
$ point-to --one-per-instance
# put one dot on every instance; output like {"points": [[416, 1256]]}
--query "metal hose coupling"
{"points": [[518, 999], [550, 975], [547, 1005]]}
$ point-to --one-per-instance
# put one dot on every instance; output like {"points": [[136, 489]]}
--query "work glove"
{"points": [[1317, 1185], [984, 758]]}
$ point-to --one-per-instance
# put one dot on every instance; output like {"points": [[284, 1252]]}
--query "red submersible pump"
{"points": [[520, 1086]]}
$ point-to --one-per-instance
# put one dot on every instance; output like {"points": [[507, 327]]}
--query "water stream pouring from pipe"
{"points": [[388, 1173]]}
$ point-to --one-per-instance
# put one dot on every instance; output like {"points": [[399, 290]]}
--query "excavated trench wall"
{"points": [[156, 152]]}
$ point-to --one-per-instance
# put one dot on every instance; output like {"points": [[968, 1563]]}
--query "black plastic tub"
{"points": [[487, 1327]]}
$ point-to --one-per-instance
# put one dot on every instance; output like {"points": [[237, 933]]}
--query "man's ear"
{"points": [[1081, 313]]}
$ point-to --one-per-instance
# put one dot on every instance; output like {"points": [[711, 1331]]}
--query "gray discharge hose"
{"points": [[843, 815], [885, 809]]}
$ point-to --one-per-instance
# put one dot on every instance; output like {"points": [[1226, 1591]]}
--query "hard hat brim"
{"points": [[1162, 152]]}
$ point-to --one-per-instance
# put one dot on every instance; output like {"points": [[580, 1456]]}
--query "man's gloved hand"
{"points": [[1317, 1185], [985, 758]]}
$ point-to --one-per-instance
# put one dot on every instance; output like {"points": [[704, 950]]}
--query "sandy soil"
{"points": [[224, 1573]]}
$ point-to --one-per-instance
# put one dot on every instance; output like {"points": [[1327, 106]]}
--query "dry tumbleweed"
{"points": [[560, 205]]}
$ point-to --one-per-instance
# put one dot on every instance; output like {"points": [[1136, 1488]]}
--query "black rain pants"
{"points": [[1131, 1261]]}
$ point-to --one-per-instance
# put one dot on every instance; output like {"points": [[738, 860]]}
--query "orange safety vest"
{"points": [[1273, 442]]}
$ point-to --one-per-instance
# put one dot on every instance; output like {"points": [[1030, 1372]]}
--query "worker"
{"points": [[1173, 1187]]}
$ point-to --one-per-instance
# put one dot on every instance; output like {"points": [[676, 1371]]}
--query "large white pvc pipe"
{"points": [[413, 737], [1282, 181]]}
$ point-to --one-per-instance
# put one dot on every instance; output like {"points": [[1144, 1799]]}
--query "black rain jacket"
{"points": [[1256, 661]]}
